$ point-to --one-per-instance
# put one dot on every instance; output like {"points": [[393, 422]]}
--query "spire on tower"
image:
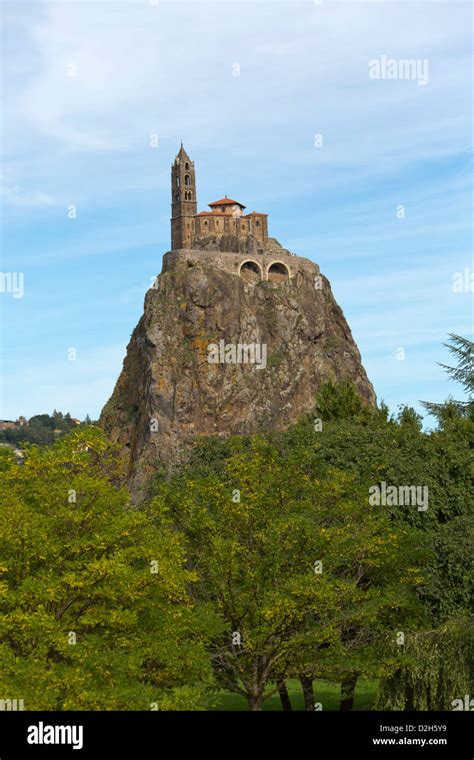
{"points": [[182, 155]]}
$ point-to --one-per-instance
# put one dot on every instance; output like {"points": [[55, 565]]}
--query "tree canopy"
{"points": [[95, 602]]}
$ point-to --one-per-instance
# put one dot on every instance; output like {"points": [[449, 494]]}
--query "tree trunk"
{"points": [[284, 697], [308, 694], [409, 698], [255, 702], [348, 685]]}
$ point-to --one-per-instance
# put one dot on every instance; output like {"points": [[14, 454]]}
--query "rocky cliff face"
{"points": [[215, 353]]}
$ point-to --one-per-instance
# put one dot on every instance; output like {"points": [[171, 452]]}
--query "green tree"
{"points": [[95, 605], [338, 401], [290, 562], [396, 450], [463, 351], [41, 420], [432, 670]]}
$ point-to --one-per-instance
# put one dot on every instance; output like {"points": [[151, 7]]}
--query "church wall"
{"points": [[233, 261]]}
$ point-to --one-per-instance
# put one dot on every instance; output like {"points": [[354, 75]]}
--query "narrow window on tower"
{"points": [[187, 180]]}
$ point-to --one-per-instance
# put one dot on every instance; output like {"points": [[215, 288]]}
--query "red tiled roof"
{"points": [[223, 213], [225, 202]]}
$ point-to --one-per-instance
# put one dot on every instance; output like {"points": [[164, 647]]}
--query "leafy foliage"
{"points": [[85, 623], [463, 351], [337, 401], [431, 670], [256, 532]]}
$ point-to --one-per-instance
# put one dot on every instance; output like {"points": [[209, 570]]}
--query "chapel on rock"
{"points": [[239, 241]]}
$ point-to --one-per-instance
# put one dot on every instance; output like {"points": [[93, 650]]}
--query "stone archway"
{"points": [[277, 272], [250, 271]]}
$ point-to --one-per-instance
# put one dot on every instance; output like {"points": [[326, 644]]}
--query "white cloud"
{"points": [[169, 65], [18, 196]]}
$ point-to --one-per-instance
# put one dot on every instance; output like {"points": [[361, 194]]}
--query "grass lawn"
{"points": [[326, 692]]}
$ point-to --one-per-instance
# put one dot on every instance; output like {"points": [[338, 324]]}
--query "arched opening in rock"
{"points": [[278, 272], [250, 271]]}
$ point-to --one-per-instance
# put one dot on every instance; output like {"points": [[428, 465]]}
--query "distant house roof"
{"points": [[226, 202], [74, 419]]}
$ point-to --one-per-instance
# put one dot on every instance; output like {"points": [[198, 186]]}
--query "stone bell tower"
{"points": [[183, 201]]}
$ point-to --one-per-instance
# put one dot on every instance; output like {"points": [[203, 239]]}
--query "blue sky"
{"points": [[170, 69]]}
